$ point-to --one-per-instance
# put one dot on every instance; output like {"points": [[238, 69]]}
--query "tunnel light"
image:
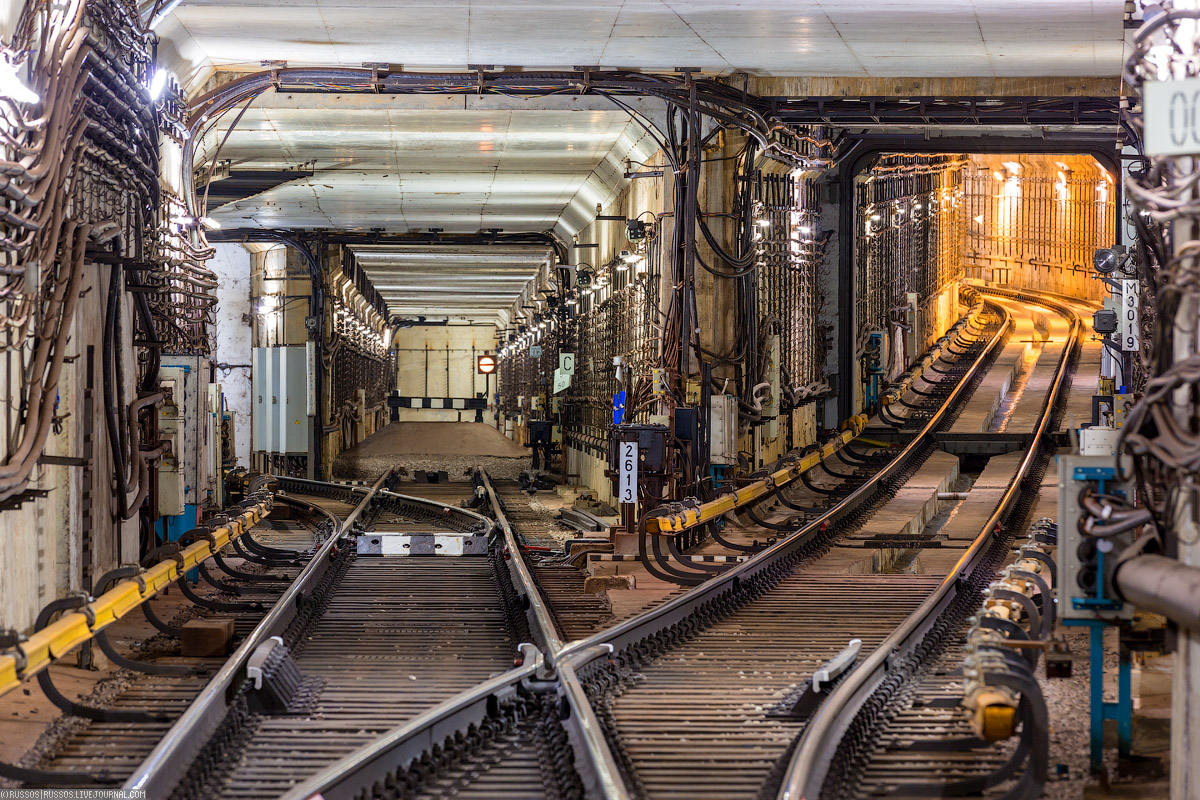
{"points": [[763, 223], [875, 218], [998, 175], [158, 83], [11, 85], [210, 223], [804, 229]]}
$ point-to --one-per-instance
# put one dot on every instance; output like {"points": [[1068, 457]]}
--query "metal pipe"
{"points": [[1162, 586]]}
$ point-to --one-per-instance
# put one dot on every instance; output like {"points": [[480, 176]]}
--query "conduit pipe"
{"points": [[1161, 585]]}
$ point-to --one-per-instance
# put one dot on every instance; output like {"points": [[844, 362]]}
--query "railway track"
{"points": [[711, 694], [364, 642], [893, 710], [103, 742], [744, 686]]}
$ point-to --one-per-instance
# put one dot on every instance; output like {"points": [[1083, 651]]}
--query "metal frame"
{"points": [[840, 111]]}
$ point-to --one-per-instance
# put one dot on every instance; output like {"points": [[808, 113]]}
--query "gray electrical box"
{"points": [[1086, 563], [183, 420], [722, 429], [281, 389], [1104, 321]]}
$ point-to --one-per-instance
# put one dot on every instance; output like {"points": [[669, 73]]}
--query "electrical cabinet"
{"points": [[722, 430], [1086, 563], [184, 422], [281, 389]]}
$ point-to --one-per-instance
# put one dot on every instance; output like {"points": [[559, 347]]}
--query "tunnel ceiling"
{"points": [[949, 38], [413, 169], [475, 283], [543, 165]]}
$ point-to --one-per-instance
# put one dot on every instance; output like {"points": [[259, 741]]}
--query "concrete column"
{"points": [[231, 339]]}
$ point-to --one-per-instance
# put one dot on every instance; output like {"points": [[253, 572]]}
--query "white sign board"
{"points": [[1172, 120], [1130, 330], [561, 380], [628, 470], [566, 362]]}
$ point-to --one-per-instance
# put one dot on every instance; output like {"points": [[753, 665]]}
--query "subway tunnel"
{"points": [[612, 401]]}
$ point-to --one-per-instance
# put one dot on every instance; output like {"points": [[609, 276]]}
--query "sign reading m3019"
{"points": [[1171, 110]]}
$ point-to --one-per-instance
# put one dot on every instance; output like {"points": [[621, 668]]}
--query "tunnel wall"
{"points": [[1035, 221], [909, 234], [620, 314], [440, 361], [84, 230]]}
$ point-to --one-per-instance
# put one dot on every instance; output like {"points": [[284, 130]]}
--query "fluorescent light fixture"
{"points": [[11, 86], [158, 83], [210, 223]]}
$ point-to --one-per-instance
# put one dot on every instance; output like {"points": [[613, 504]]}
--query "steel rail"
{"points": [[594, 760], [822, 736], [670, 523], [538, 611], [345, 779], [158, 774], [478, 520], [407, 743], [678, 609]]}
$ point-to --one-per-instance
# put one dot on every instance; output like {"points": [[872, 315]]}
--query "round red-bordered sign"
{"points": [[486, 365]]}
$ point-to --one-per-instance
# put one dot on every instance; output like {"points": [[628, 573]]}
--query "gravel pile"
{"points": [[454, 447]]}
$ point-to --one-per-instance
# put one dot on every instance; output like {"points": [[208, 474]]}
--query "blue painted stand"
{"points": [[171, 528], [1122, 710]]}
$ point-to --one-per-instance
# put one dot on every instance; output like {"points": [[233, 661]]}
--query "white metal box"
{"points": [[723, 427], [281, 389]]}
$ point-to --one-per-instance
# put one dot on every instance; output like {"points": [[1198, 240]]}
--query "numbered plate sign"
{"points": [[1131, 336], [1172, 118], [627, 484]]}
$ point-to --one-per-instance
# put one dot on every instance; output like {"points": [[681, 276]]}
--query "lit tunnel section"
{"points": [[926, 222]]}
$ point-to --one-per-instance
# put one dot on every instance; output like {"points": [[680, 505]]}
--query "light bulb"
{"points": [[11, 86], [158, 83]]}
